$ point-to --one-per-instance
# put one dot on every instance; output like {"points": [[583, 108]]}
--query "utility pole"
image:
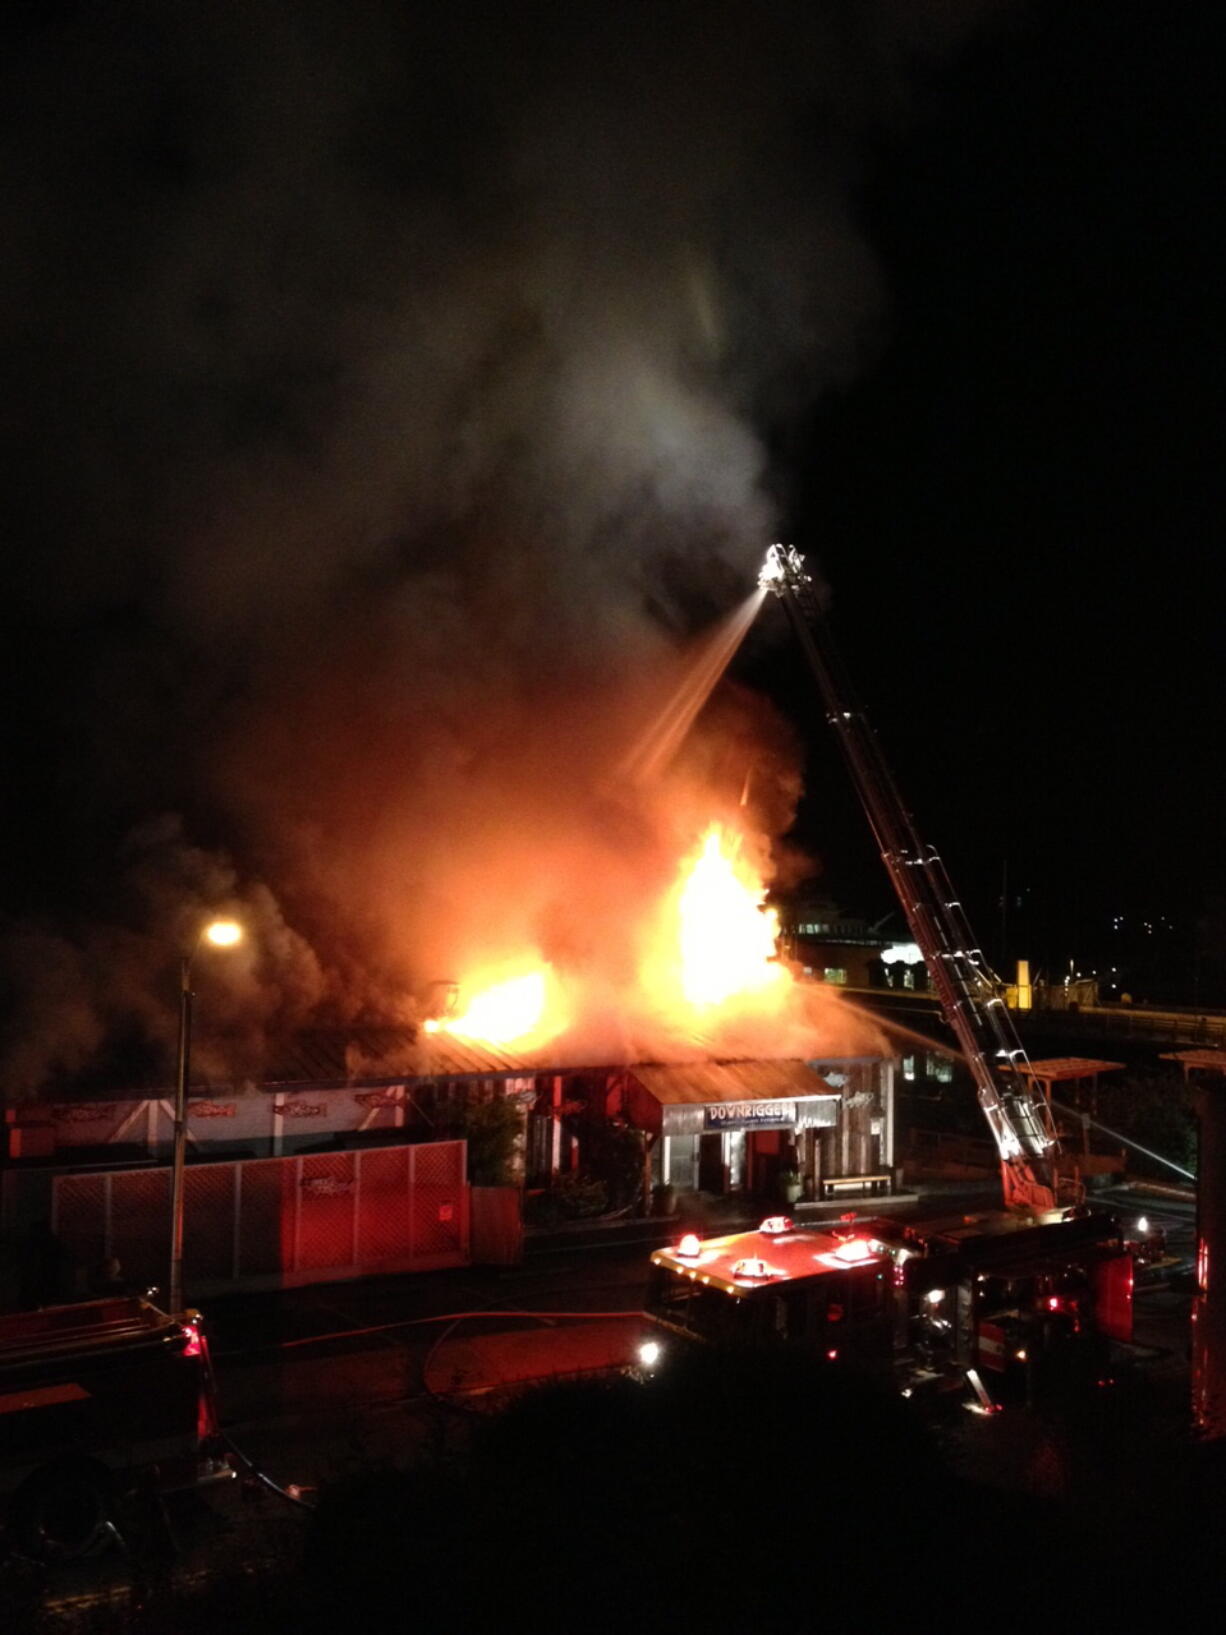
{"points": [[179, 1159], [221, 934]]}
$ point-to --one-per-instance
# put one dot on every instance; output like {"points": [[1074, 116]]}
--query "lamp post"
{"points": [[221, 934]]}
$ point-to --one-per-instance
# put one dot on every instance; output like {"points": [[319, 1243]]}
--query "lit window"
{"points": [[835, 973], [908, 1068]]}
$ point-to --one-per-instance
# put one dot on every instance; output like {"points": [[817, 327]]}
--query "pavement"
{"points": [[320, 1381]]}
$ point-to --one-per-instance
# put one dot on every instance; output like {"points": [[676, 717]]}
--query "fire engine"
{"points": [[1015, 1306], [97, 1400], [1035, 1291]]}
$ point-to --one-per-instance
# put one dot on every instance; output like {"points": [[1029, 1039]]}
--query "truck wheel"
{"points": [[63, 1512]]}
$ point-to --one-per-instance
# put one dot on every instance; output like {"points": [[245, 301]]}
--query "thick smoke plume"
{"points": [[384, 392]]}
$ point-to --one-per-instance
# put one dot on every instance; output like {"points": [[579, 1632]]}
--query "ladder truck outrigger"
{"points": [[1017, 1114]]}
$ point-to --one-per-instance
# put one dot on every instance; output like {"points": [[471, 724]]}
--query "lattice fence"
{"points": [[269, 1222]]}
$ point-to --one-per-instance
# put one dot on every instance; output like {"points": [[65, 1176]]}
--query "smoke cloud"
{"points": [[386, 393]]}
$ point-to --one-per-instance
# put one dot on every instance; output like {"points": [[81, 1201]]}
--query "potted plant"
{"points": [[789, 1184], [493, 1130], [664, 1199]]}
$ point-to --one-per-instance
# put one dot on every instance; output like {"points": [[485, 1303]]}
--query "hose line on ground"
{"points": [[291, 1494]]}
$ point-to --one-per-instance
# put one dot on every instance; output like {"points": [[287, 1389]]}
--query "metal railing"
{"points": [[1163, 1027]]}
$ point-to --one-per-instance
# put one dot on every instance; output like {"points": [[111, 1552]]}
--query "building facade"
{"points": [[602, 1138]]}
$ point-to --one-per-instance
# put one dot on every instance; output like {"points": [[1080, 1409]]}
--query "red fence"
{"points": [[273, 1222]]}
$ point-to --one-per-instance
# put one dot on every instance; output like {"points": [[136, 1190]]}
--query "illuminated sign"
{"points": [[742, 1115]]}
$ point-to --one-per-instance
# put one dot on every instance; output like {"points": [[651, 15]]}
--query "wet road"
{"points": [[319, 1382], [321, 1375]]}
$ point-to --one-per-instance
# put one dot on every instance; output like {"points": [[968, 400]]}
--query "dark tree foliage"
{"points": [[735, 1493], [711, 1497], [491, 1129], [1154, 1110], [613, 1153]]}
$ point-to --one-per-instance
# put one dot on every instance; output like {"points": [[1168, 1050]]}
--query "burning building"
{"points": [[712, 1070], [734, 1073], [363, 608]]}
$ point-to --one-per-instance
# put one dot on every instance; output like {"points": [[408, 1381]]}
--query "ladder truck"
{"points": [[1030, 1297], [1017, 1114]]}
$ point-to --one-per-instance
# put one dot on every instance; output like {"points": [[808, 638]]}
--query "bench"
{"points": [[830, 1184]]}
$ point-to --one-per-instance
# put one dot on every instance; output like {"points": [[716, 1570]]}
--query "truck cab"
{"points": [[97, 1399], [829, 1291]]}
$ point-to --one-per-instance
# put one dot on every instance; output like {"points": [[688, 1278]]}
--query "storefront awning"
{"points": [[707, 1096], [701, 1084]]}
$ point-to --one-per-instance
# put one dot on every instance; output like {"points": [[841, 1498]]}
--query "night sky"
{"points": [[1018, 505], [374, 382]]}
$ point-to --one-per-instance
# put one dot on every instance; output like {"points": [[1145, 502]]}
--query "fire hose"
{"points": [[454, 1319], [292, 1493]]}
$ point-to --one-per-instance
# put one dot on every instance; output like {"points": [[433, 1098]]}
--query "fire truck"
{"points": [[97, 1401], [1040, 1288], [1013, 1306], [970, 995]]}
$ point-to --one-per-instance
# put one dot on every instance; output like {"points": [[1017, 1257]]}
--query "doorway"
{"points": [[712, 1175]]}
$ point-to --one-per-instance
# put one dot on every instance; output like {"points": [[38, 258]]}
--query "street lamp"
{"points": [[220, 934]]}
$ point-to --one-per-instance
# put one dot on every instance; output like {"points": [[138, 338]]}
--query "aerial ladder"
{"points": [[1016, 1111]]}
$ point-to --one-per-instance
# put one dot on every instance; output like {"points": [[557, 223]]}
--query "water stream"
{"points": [[651, 753]]}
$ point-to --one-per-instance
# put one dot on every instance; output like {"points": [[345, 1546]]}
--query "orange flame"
{"points": [[712, 956], [517, 1009], [726, 939]]}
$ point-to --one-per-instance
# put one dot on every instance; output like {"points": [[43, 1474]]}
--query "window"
{"points": [[835, 973], [708, 1313]]}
